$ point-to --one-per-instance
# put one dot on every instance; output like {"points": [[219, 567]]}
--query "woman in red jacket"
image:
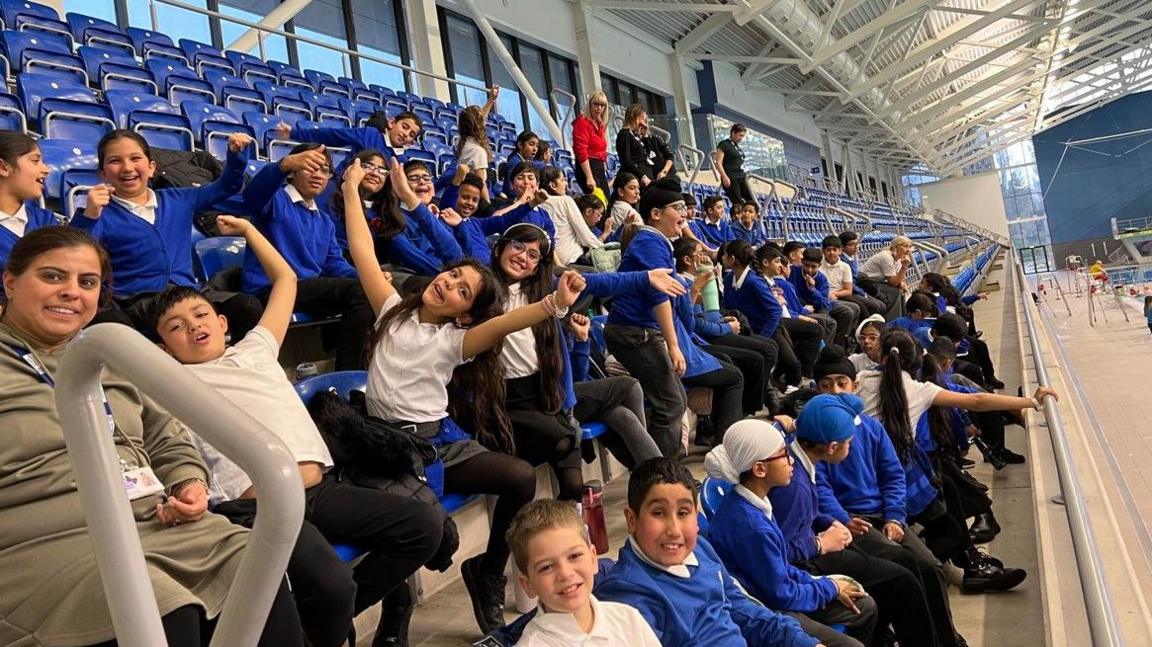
{"points": [[590, 144]]}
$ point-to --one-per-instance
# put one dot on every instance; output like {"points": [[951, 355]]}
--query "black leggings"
{"points": [[727, 386], [543, 437], [327, 296], [186, 626], [755, 388], [751, 367], [787, 364], [512, 480], [806, 337]]}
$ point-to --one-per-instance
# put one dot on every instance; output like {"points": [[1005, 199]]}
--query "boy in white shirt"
{"points": [[557, 563], [399, 533]]}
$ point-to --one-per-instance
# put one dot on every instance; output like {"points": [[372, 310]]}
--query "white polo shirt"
{"points": [[614, 624]]}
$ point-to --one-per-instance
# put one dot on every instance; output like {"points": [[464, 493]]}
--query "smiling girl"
{"points": [[22, 176]]}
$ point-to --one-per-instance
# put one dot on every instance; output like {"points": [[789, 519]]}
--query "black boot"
{"points": [[395, 615], [1010, 457], [984, 528], [982, 574], [487, 593]]}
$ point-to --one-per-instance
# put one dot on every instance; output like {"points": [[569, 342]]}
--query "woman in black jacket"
{"points": [[635, 157]]}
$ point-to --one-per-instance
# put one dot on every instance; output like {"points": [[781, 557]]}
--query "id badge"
{"points": [[140, 482]]}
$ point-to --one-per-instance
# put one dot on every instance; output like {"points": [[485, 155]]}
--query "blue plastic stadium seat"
{"points": [[325, 83], [263, 126], [87, 30], [12, 113], [343, 382], [284, 102], [63, 155], [36, 18], [112, 69], [712, 493], [11, 10], [358, 110], [64, 109], [74, 184], [212, 124], [249, 67], [141, 37], [593, 430], [214, 255], [233, 92], [42, 53], [202, 56], [156, 119], [179, 82], [289, 76]]}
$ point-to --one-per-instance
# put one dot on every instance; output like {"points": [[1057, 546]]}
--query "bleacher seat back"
{"points": [[712, 493], [10, 9], [156, 119], [87, 30], [73, 178], [214, 255], [62, 155], [343, 382], [11, 113], [141, 37]]}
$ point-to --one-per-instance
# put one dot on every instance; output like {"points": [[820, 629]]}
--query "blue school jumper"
{"points": [[909, 324], [855, 267], [754, 236], [815, 296], [356, 139], [709, 324], [425, 246], [696, 360], [649, 250], [37, 218], [870, 481], [148, 257], [755, 298], [705, 608], [790, 297], [752, 547], [305, 238], [714, 235], [472, 234], [799, 511], [514, 160]]}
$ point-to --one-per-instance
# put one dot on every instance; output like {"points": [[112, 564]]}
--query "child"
{"points": [[393, 139], [713, 230], [148, 234], [22, 175], [573, 238], [841, 276], [525, 207], [805, 331], [400, 533], [444, 337], [755, 459], [557, 563], [921, 309], [868, 336], [641, 330], [592, 209], [283, 201], [1148, 311], [526, 144], [464, 192], [798, 289], [473, 148], [544, 153], [748, 228], [675, 579], [813, 288], [622, 203], [371, 193]]}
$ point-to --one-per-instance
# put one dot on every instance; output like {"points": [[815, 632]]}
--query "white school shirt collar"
{"points": [[563, 625], [739, 282], [295, 197], [146, 211], [679, 570], [17, 222], [761, 503], [803, 459], [399, 150]]}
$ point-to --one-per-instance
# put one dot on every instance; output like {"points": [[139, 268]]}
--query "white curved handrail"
{"points": [[115, 542]]}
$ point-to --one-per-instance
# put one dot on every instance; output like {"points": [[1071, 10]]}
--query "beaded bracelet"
{"points": [[549, 304]]}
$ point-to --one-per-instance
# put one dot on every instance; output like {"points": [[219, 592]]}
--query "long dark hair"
{"points": [[618, 183], [392, 220], [942, 286], [476, 391], [46, 239], [536, 287], [106, 140], [471, 126], [336, 204], [741, 251], [932, 370], [551, 174], [899, 354], [14, 145], [682, 249]]}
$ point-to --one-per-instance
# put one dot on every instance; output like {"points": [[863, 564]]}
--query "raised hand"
{"points": [[354, 174], [239, 141], [580, 325], [309, 161], [400, 185], [662, 280], [231, 225], [568, 288], [98, 197], [450, 217], [283, 131]]}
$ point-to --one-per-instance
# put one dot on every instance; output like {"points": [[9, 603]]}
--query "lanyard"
{"points": [[42, 373]]}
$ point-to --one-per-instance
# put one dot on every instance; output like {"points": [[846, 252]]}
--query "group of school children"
{"points": [[470, 314]]}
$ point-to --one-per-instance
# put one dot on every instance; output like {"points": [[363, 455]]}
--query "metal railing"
{"points": [[563, 112], [683, 151], [99, 479], [1102, 623], [262, 30]]}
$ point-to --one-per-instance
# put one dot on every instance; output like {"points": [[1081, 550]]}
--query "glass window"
{"points": [[532, 64], [608, 85], [763, 154], [322, 20], [561, 70], [102, 9], [509, 103], [176, 22], [378, 34], [275, 46], [463, 40]]}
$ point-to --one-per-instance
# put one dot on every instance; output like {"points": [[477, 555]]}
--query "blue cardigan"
{"points": [[306, 239], [909, 324], [148, 257], [799, 512], [514, 160], [709, 324], [37, 218], [855, 267], [753, 548], [707, 608], [648, 250], [425, 246], [870, 481], [472, 234], [756, 299], [816, 296], [794, 306], [713, 235], [696, 360]]}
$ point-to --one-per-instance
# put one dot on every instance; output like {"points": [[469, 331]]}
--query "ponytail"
{"points": [[937, 417], [900, 354]]}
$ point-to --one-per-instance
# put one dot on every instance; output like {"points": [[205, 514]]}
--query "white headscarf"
{"points": [[745, 442]]}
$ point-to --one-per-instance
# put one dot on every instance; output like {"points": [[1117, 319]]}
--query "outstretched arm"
{"points": [[486, 335], [377, 287], [282, 299]]}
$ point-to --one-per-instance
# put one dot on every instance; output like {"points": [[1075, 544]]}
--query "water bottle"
{"points": [[307, 369], [592, 509]]}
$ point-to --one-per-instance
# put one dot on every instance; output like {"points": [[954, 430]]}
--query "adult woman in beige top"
{"points": [[52, 593]]}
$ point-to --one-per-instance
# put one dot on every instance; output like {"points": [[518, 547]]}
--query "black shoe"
{"points": [[984, 529], [487, 593], [986, 576], [395, 616], [995, 384], [966, 462], [1010, 457]]}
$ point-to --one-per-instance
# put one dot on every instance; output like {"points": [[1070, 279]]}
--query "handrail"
{"points": [[555, 95], [697, 154], [941, 253], [280, 32], [1102, 622], [784, 212], [115, 542]]}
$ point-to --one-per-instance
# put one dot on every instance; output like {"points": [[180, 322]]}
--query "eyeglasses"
{"points": [[679, 207], [419, 179], [370, 168], [785, 455], [325, 171], [599, 104], [522, 248]]}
